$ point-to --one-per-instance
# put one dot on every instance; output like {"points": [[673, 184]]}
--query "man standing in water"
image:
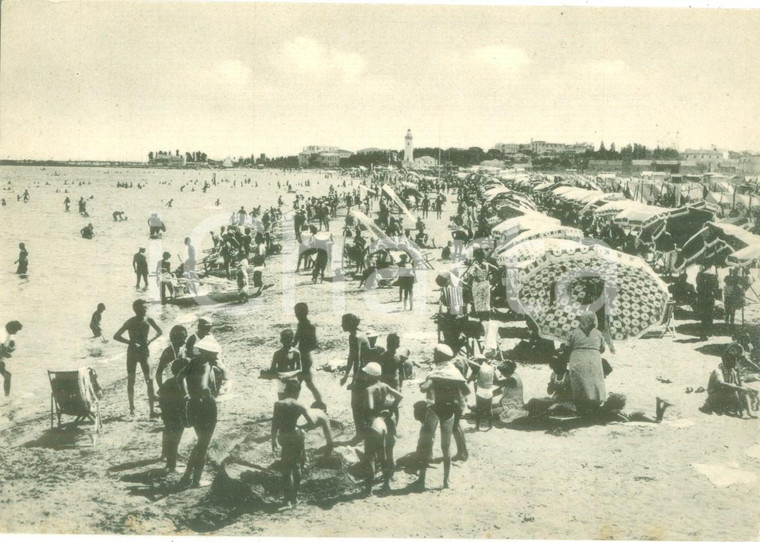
{"points": [[189, 264], [23, 260], [97, 316], [140, 267], [138, 328]]}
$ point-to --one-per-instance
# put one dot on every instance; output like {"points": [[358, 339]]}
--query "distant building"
{"points": [[690, 167], [605, 165], [710, 158], [580, 148], [408, 149], [750, 164], [508, 148], [167, 159], [667, 166], [370, 150], [639, 166], [542, 147], [322, 156], [424, 162]]}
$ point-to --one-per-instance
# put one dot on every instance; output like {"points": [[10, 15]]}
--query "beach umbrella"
{"points": [[510, 206], [561, 280], [504, 250], [719, 244], [635, 217], [682, 223], [494, 191], [611, 208], [411, 191], [511, 227]]}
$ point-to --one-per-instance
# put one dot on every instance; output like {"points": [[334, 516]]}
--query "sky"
{"points": [[113, 80]]}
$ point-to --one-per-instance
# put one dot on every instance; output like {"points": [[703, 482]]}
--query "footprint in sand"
{"points": [[753, 452]]}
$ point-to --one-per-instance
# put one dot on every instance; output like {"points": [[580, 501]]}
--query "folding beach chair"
{"points": [[424, 262], [73, 394], [668, 321]]}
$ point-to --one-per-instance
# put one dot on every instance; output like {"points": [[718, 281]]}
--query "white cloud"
{"points": [[504, 57], [307, 56]]}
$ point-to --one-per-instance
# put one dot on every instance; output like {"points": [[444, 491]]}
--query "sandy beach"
{"points": [[694, 476]]}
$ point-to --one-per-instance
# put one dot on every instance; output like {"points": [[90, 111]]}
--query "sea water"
{"points": [[69, 275]]}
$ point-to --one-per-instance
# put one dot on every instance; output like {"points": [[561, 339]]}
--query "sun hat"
{"points": [[373, 369], [444, 353], [208, 344]]}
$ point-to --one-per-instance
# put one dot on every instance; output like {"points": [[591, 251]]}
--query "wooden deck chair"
{"points": [[668, 321], [73, 394], [424, 262]]}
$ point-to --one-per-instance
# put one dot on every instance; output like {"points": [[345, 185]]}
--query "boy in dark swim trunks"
{"points": [[138, 328], [195, 380], [286, 363], [289, 435], [97, 331], [171, 397], [306, 342], [380, 402], [140, 267]]}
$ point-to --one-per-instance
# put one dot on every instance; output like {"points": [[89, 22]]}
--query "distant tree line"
{"points": [[635, 151], [452, 156], [283, 162]]}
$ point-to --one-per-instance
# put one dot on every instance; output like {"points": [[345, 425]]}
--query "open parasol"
{"points": [[682, 223], [719, 243], [560, 280], [511, 227], [504, 254]]}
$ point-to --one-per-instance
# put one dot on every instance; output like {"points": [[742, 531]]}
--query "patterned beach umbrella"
{"points": [[559, 281], [505, 254]]}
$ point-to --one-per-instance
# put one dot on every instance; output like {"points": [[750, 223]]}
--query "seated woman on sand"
{"points": [[510, 406], [560, 400], [725, 392]]}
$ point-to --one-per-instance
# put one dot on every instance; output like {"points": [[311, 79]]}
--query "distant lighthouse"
{"points": [[408, 149]]}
